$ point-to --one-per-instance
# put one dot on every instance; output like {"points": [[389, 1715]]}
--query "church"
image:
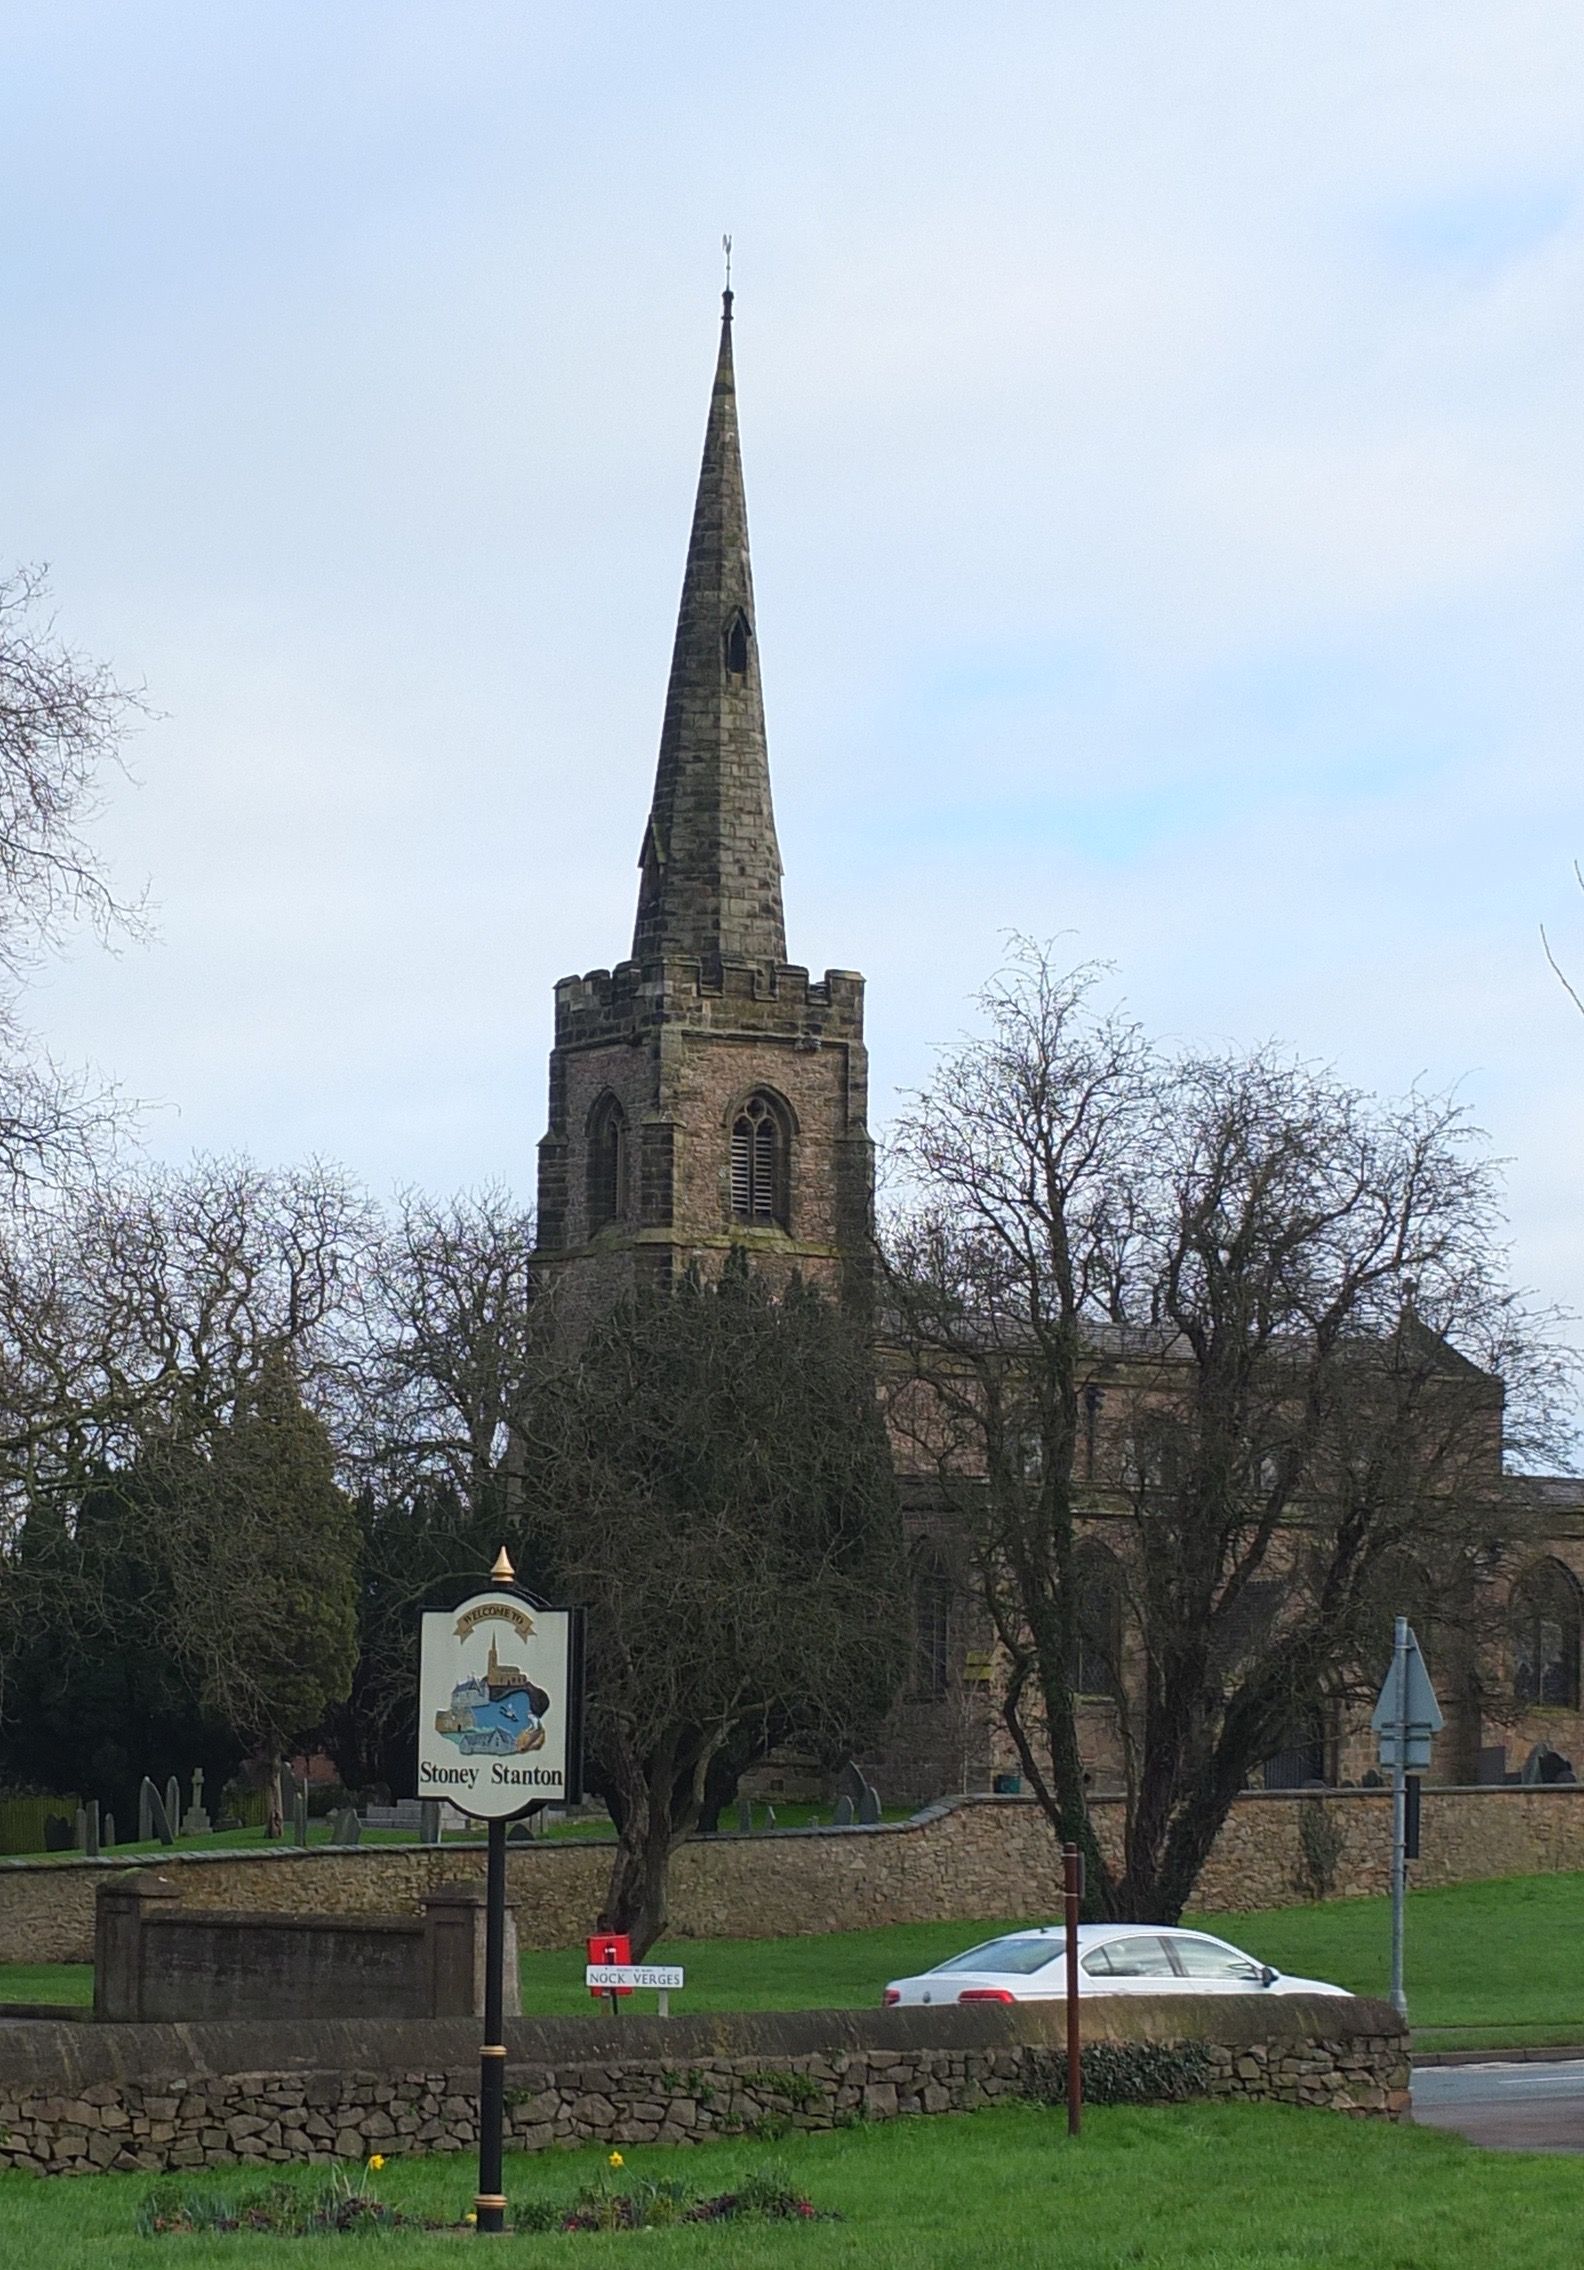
{"points": [[707, 1093]]}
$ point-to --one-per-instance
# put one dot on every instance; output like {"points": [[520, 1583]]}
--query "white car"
{"points": [[1113, 1958]]}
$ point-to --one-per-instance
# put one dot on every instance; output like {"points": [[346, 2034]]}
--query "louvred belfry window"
{"points": [[758, 1164]]}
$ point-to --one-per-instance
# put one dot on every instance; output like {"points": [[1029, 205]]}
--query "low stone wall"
{"points": [[78, 2099], [966, 1859]]}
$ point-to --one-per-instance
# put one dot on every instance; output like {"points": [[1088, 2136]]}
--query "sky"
{"points": [[1166, 474]]}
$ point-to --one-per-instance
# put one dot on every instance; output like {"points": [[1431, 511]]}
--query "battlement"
{"points": [[606, 1004]]}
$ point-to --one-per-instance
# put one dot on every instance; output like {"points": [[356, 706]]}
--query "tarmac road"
{"points": [[1536, 2107]]}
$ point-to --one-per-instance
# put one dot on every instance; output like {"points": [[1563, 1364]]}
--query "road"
{"points": [[1511, 2108]]}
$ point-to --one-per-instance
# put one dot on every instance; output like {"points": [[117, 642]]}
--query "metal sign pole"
{"points": [[1072, 1901], [490, 2204], [1399, 1811]]}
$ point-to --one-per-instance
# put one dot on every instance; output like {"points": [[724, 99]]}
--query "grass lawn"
{"points": [[1190, 2188], [1488, 1964]]}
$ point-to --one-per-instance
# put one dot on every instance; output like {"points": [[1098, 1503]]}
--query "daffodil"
{"points": [[470, 2217], [376, 2161], [615, 2161]]}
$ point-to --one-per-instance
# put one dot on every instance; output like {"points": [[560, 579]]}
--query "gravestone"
{"points": [[345, 1827], [195, 1821], [80, 1829], [153, 1820], [744, 1816], [770, 1817], [842, 1818], [91, 1828], [173, 1805], [108, 1838], [58, 1836], [869, 1806], [300, 1815]]}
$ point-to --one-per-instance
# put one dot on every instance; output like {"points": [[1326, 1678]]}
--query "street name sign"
{"points": [[605, 1978]]}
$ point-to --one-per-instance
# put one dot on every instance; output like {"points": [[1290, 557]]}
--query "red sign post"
{"points": [[609, 1947]]}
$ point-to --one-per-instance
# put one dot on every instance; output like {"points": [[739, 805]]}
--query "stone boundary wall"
{"points": [[963, 1860], [75, 2100]]}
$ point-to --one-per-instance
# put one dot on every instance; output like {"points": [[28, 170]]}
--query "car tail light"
{"points": [[892, 1994], [986, 1994]]}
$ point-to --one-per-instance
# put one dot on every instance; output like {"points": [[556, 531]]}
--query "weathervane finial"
{"points": [[726, 296]]}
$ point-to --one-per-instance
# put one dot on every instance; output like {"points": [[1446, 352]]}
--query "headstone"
{"points": [[769, 1816], [300, 1816], [153, 1820], [345, 1827], [850, 1782], [91, 1828], [57, 1833], [109, 1830], [744, 1816], [80, 1829], [172, 1805], [429, 1821], [842, 1818], [195, 1821], [869, 1806]]}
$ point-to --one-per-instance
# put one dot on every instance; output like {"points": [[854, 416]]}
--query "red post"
{"points": [[1072, 1900]]}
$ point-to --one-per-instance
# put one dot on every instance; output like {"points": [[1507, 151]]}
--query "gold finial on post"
{"points": [[503, 1572]]}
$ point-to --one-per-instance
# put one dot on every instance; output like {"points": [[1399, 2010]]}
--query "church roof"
{"points": [[711, 870]]}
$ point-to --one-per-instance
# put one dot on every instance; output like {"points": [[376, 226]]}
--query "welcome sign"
{"points": [[500, 1704]]}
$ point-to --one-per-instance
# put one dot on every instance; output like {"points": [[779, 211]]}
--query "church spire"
{"points": [[711, 872]]}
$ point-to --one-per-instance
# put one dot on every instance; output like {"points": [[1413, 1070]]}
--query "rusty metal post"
{"points": [[1072, 1902]]}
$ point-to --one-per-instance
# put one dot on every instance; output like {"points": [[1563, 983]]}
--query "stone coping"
{"points": [[284, 1853], [63, 2057]]}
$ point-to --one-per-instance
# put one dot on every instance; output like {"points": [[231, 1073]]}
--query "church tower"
{"points": [[707, 1093]]}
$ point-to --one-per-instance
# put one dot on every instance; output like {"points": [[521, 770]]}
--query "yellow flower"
{"points": [[470, 2217], [615, 2161], [376, 2161]]}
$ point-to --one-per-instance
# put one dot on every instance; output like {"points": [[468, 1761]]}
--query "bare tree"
{"points": [[62, 724], [1237, 1323], [710, 1475]]}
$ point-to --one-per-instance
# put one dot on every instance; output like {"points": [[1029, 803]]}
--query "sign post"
{"points": [[1406, 1717], [500, 1733], [1072, 1904]]}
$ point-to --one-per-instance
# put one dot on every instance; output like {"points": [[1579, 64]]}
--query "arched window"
{"points": [[759, 1164], [932, 1624], [607, 1163], [738, 634], [1544, 1613], [1098, 1579]]}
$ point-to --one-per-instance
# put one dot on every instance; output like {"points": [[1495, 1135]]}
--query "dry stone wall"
{"points": [[75, 2099], [964, 1860]]}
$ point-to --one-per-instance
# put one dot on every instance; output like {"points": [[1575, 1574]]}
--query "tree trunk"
{"points": [[637, 1897]]}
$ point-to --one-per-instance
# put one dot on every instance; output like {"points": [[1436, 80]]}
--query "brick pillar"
{"points": [[453, 1953], [120, 1909]]}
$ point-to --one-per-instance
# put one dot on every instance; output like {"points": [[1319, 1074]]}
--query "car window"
{"points": [[1202, 1958], [1137, 1957], [1020, 1956]]}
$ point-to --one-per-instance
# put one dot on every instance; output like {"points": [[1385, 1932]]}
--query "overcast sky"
{"points": [[1166, 468]]}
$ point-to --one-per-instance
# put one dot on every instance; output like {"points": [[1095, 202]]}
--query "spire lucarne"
{"points": [[711, 870]]}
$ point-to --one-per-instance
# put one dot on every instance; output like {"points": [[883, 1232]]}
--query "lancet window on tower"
{"points": [[738, 633], [607, 1163], [759, 1164]]}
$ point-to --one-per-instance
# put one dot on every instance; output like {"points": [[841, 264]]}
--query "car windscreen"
{"points": [[1019, 1956]]}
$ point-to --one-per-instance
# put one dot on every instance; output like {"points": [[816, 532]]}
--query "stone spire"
{"points": [[711, 872]]}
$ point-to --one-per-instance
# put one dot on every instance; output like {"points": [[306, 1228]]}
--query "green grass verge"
{"points": [[1202, 2187], [1492, 1964]]}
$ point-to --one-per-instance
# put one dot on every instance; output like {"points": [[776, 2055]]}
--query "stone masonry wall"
{"points": [[674, 2082], [965, 1860]]}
